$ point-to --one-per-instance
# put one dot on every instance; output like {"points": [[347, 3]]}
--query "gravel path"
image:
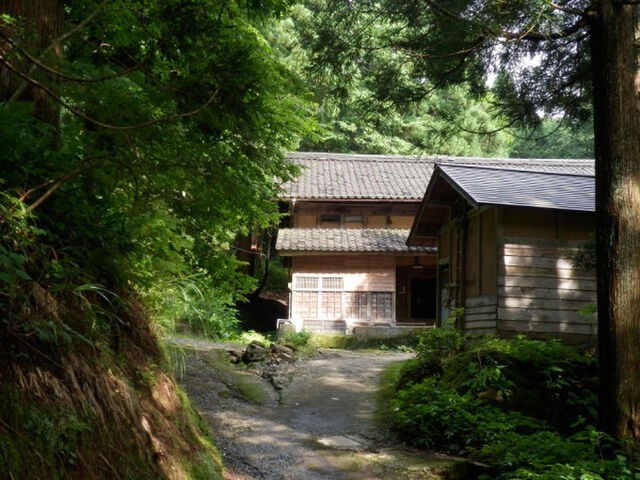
{"points": [[317, 427]]}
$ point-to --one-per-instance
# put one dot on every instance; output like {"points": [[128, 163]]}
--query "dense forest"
{"points": [[139, 140]]}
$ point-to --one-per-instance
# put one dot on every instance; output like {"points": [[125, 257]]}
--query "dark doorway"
{"points": [[423, 298]]}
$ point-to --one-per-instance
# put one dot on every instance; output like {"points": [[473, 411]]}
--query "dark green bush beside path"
{"points": [[525, 407]]}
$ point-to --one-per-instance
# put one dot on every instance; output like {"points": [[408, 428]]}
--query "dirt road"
{"points": [[319, 426]]}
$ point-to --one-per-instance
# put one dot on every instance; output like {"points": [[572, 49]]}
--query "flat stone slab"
{"points": [[340, 442]]}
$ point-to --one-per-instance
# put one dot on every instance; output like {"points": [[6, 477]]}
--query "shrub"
{"points": [[432, 416], [245, 338], [439, 344], [296, 339]]}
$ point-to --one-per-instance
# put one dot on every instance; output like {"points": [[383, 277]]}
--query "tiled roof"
{"points": [[560, 191], [300, 241], [345, 176]]}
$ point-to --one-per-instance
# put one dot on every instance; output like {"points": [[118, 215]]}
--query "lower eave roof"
{"points": [[323, 241]]}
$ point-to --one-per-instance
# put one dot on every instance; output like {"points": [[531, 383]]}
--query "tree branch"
{"points": [[55, 183], [487, 132], [20, 90], [573, 11], [543, 37], [460, 53], [66, 76], [98, 123]]}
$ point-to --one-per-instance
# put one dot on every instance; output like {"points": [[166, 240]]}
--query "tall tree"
{"points": [[353, 122], [566, 58], [137, 139]]}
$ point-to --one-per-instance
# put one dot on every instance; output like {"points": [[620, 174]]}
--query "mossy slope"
{"points": [[109, 411]]}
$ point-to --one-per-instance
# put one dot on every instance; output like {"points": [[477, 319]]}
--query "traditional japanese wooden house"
{"points": [[506, 238], [346, 239]]}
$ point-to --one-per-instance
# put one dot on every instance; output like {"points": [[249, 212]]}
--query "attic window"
{"points": [[354, 221], [330, 221]]}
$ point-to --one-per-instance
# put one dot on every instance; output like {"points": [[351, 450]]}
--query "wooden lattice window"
{"points": [[306, 304], [331, 305], [355, 304], [306, 283], [381, 303], [332, 283]]}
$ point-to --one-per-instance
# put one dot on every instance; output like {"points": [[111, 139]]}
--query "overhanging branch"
{"points": [[98, 123]]}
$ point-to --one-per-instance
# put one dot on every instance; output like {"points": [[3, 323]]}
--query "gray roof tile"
{"points": [[346, 176], [560, 191], [292, 241]]}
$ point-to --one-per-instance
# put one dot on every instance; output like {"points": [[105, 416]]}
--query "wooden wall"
{"points": [[551, 224], [540, 291], [397, 215], [480, 315], [517, 275], [478, 278]]}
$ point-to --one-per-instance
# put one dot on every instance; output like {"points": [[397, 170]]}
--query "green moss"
{"points": [[205, 469], [41, 440], [385, 392], [352, 342], [246, 385]]}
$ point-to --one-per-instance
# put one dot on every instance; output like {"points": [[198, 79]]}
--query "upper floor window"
{"points": [[330, 221], [354, 221]]}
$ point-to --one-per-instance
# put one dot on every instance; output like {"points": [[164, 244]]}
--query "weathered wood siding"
{"points": [[540, 291], [480, 314], [398, 215]]}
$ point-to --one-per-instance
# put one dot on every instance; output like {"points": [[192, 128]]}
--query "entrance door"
{"points": [[423, 298]]}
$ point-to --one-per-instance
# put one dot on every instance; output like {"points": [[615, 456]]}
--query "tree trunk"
{"points": [[43, 23], [617, 151]]}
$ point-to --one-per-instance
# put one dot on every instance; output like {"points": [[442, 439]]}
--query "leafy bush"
{"points": [[541, 378], [296, 339], [433, 349], [439, 344], [433, 416], [277, 278], [249, 336], [404, 342], [514, 450], [548, 455], [515, 404]]}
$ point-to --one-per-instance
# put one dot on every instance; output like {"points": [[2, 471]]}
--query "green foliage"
{"points": [[489, 375], [584, 258], [277, 278], [171, 143], [440, 344], [404, 77], [432, 350], [355, 120], [196, 303], [296, 339], [547, 455], [54, 435], [153, 210], [354, 342], [554, 139], [433, 415], [517, 404], [245, 338]]}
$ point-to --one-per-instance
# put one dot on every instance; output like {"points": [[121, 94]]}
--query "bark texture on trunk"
{"points": [[39, 24], [617, 149]]}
